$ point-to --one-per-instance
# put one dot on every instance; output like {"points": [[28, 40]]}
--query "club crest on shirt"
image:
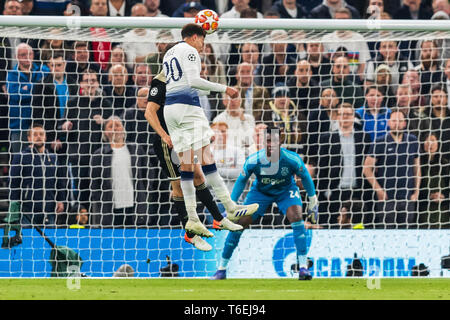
{"points": [[284, 171], [191, 57], [153, 92]]}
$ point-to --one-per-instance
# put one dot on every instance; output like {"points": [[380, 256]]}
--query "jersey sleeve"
{"points": [[302, 172], [157, 92], [192, 65], [241, 181]]}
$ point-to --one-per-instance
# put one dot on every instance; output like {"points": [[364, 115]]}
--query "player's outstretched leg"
{"points": [[189, 237], [234, 211], [193, 224], [220, 222]]}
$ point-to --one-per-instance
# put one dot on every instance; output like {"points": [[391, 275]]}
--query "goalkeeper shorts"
{"points": [[290, 197]]}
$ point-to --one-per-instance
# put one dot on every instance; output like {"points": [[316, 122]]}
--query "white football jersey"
{"points": [[182, 65]]}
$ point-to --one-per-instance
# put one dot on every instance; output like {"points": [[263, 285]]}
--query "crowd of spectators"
{"points": [[371, 119]]}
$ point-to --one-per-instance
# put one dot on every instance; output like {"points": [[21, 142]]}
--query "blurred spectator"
{"points": [[392, 168], [289, 9], [249, 53], [120, 95], [258, 138], [328, 8], [216, 69], [304, 90], [319, 63], [412, 78], [238, 6], [350, 214], [185, 7], [50, 7], [441, 5], [233, 57], [390, 55], [28, 6], [118, 56], [353, 42], [8, 45], [374, 114], [438, 116], [142, 76], [120, 8], [229, 157], [434, 196], [320, 121], [154, 60], [76, 215], [240, 124], [100, 50], [374, 9], [37, 182], [429, 66], [80, 61], [209, 102], [19, 86], [446, 79], [278, 65], [119, 180], [416, 119], [272, 14], [413, 9], [136, 126], [47, 47], [85, 114], [283, 113], [153, 8], [342, 83], [442, 43], [383, 81], [50, 100], [138, 50], [341, 159], [254, 98]]}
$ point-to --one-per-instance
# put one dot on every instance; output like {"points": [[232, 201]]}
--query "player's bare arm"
{"points": [[153, 120]]}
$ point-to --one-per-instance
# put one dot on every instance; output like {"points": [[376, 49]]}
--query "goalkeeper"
{"points": [[274, 168]]}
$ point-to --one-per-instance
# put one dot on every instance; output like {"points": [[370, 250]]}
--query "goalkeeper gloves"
{"points": [[12, 224], [312, 209]]}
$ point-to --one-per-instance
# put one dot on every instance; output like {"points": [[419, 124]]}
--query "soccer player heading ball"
{"points": [[189, 128], [275, 169]]}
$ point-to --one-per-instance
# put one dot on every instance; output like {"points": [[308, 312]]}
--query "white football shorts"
{"points": [[188, 127]]}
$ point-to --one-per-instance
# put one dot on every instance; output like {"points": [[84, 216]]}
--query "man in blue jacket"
{"points": [[19, 86], [37, 183]]}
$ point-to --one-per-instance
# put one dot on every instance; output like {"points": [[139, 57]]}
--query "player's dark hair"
{"points": [[191, 29]]}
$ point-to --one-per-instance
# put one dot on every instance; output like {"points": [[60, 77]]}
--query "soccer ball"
{"points": [[208, 20]]}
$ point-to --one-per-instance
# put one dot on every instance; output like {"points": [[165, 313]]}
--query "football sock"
{"points": [[214, 179], [180, 207], [204, 195], [231, 243], [187, 186], [300, 241]]}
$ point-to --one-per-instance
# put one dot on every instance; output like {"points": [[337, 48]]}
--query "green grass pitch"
{"points": [[239, 289]]}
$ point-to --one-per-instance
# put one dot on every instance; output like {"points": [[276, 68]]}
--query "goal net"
{"points": [[364, 103]]}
